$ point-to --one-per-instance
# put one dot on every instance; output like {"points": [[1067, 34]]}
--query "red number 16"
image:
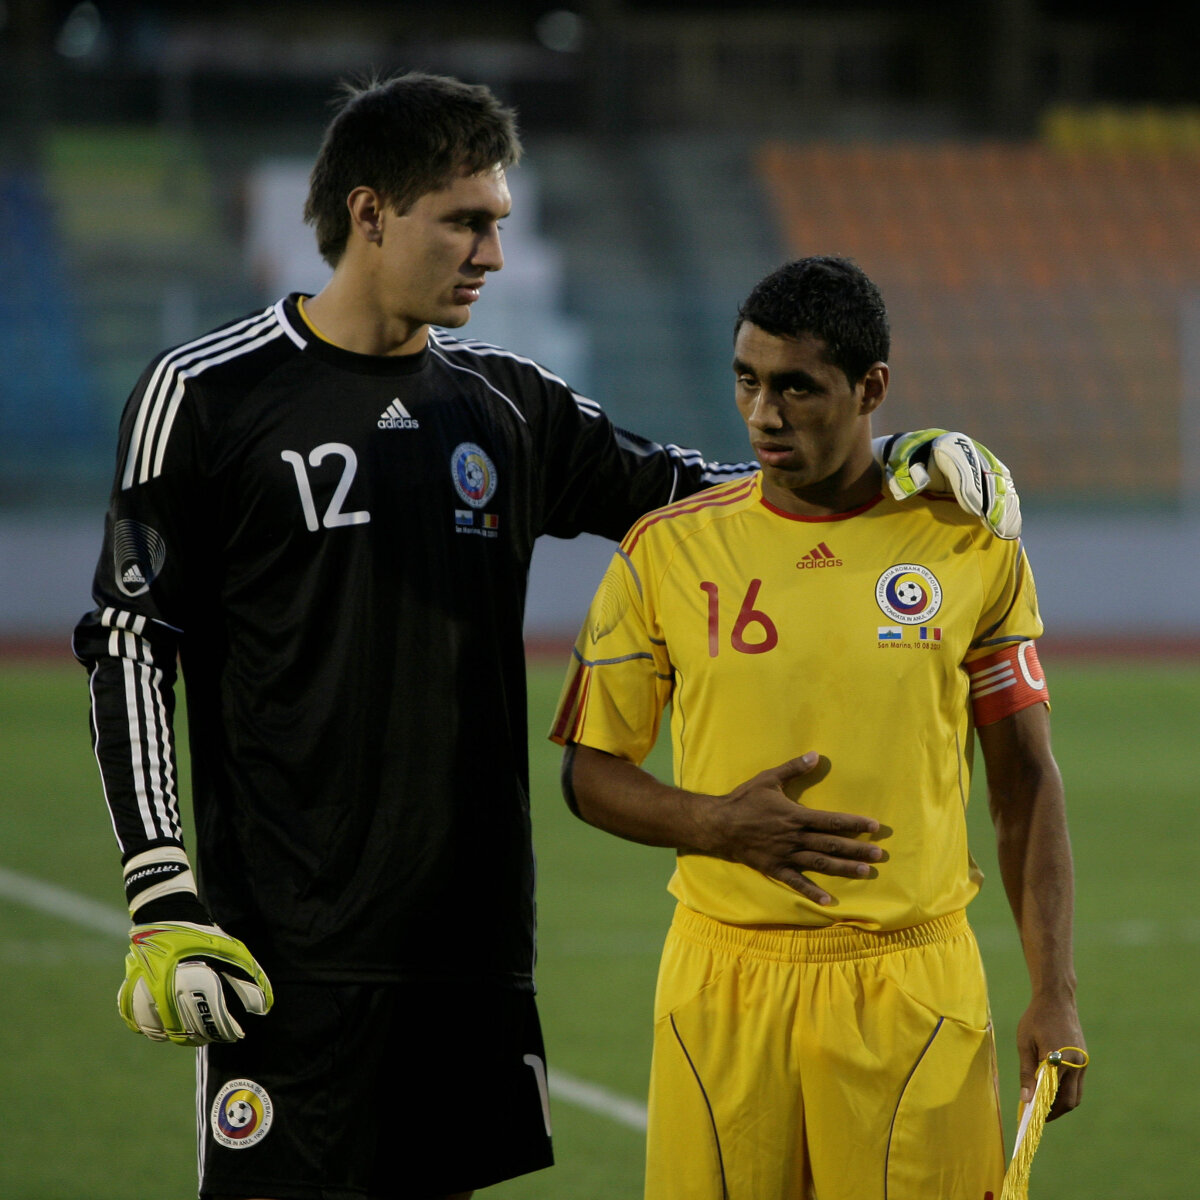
{"points": [[747, 615]]}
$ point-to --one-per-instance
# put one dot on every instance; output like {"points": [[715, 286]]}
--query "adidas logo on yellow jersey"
{"points": [[819, 556]]}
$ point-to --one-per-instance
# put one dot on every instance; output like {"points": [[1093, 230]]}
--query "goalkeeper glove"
{"points": [[184, 977], [182, 982], [952, 463]]}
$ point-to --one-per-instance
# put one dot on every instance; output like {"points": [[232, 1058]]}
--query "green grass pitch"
{"points": [[96, 1113]]}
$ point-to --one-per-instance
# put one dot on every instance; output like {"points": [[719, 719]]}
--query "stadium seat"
{"points": [[1035, 290]]}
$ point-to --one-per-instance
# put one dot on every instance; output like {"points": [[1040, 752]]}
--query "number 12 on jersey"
{"points": [[748, 616], [334, 516]]}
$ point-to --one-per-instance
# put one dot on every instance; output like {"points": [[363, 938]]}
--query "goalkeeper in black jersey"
{"points": [[326, 511]]}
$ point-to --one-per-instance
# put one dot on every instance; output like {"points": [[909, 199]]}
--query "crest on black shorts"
{"points": [[241, 1114]]}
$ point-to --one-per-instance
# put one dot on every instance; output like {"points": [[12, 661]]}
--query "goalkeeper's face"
{"points": [[432, 259], [810, 428]]}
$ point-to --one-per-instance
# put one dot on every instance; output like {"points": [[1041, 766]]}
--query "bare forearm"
{"points": [[1025, 794], [619, 797], [756, 824], [1034, 853]]}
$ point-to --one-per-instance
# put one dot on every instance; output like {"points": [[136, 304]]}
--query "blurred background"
{"points": [[1021, 177]]}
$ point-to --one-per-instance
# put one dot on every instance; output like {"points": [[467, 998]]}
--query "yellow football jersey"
{"points": [[770, 635]]}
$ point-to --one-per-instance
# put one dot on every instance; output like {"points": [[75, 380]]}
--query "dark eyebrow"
{"points": [[801, 381], [476, 214]]}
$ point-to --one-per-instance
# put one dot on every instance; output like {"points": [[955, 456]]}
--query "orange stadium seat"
{"points": [[1035, 291]]}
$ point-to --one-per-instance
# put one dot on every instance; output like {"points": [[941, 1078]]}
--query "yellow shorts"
{"points": [[822, 1064]]}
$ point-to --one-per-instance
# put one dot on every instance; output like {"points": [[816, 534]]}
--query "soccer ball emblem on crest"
{"points": [[908, 593], [239, 1114]]}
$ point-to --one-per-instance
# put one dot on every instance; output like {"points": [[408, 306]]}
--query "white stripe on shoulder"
{"points": [[490, 350], [710, 472], [438, 348], [719, 472], [163, 394], [288, 328], [487, 350]]}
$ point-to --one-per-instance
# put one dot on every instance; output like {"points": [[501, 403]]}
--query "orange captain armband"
{"points": [[1006, 682]]}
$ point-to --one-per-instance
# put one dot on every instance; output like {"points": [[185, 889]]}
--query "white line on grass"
{"points": [[597, 1099], [58, 902], [79, 910]]}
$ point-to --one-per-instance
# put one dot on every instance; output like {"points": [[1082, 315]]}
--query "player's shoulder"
{"points": [[933, 510], [523, 383], [487, 358], [243, 347], [939, 520], [683, 518]]}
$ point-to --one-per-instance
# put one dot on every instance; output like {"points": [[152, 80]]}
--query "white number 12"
{"points": [[334, 516]]}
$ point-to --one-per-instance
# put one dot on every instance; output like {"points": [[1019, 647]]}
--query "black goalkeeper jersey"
{"points": [[336, 548]]}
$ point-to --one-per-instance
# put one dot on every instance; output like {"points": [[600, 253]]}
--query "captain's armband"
{"points": [[1005, 682]]}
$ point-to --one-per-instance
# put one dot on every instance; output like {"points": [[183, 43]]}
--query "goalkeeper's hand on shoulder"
{"points": [[952, 464], [186, 980]]}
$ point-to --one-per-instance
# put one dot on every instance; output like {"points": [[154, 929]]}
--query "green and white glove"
{"points": [[186, 980], [952, 463]]}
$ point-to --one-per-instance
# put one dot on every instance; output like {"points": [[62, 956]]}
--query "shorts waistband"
{"points": [[825, 943]]}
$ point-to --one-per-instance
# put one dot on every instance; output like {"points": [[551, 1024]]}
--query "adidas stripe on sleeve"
{"points": [[132, 711], [130, 641], [164, 392]]}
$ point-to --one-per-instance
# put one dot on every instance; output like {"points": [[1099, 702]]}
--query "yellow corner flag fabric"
{"points": [[1032, 1120]]}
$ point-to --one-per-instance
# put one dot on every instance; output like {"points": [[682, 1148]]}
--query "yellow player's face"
{"points": [[437, 254], [809, 428]]}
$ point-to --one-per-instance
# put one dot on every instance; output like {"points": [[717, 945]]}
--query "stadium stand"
{"points": [[661, 237], [154, 259], [1036, 290], [45, 395]]}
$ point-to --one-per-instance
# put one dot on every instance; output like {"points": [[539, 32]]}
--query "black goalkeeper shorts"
{"points": [[350, 1091]]}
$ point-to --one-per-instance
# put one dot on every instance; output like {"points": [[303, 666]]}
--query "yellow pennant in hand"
{"points": [[1031, 1120]]}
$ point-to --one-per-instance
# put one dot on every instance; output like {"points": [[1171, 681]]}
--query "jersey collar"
{"points": [[303, 335]]}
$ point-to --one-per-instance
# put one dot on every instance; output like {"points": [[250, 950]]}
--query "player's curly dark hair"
{"points": [[830, 298], [404, 136]]}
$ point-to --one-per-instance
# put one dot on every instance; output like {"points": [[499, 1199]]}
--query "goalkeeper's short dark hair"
{"points": [[831, 298], [404, 136]]}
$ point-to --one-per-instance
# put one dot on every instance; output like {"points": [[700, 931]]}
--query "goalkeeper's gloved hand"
{"points": [[952, 463], [186, 980]]}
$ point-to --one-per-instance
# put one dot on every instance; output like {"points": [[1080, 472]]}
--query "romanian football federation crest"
{"points": [[908, 593], [474, 474], [241, 1114]]}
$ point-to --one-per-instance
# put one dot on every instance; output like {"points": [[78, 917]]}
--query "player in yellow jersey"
{"points": [[825, 1039]]}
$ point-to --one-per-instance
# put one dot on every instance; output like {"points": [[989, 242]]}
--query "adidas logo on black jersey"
{"points": [[396, 416]]}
